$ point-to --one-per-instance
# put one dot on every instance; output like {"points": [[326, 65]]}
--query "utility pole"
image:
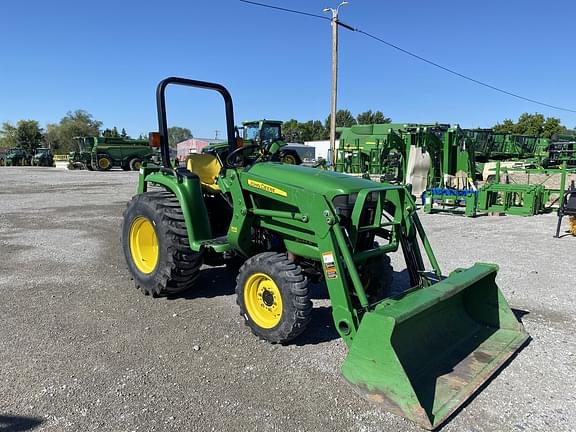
{"points": [[334, 23]]}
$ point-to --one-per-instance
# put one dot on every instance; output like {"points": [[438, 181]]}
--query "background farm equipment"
{"points": [[568, 208], [424, 156], [17, 157], [104, 153], [265, 133], [43, 157], [562, 148], [420, 353]]}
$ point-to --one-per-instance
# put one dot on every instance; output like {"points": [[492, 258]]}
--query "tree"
{"points": [[531, 124], [111, 133], [315, 131], [295, 131], [369, 117], [507, 126], [292, 131], [52, 135], [344, 118], [27, 134], [73, 124], [552, 126], [123, 134], [178, 134], [8, 136]]}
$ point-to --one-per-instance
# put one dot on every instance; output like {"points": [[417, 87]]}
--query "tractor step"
{"points": [[218, 244]]}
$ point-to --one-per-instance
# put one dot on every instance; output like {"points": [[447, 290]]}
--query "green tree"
{"points": [[178, 134], [507, 126], [52, 135], [292, 131], [73, 124], [111, 133], [298, 132], [552, 126], [369, 117], [8, 135], [27, 134], [531, 124], [314, 131], [344, 118]]}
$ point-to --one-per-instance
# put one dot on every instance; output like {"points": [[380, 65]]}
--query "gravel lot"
{"points": [[82, 350]]}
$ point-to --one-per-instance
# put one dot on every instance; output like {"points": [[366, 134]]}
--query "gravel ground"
{"points": [[82, 350]]}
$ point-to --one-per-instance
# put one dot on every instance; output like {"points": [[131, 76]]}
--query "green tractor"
{"points": [[420, 352], [81, 158], [17, 157], [43, 157], [265, 132]]}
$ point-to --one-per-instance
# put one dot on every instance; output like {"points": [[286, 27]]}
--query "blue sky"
{"points": [[107, 58]]}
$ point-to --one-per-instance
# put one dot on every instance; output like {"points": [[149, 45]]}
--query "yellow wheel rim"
{"points": [[289, 159], [136, 165], [263, 300], [103, 163], [143, 245]]}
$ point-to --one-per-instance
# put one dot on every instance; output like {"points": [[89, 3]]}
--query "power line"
{"points": [[416, 56], [430, 62], [285, 9]]}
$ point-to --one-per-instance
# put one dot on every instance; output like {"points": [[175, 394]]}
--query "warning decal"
{"points": [[329, 266]]}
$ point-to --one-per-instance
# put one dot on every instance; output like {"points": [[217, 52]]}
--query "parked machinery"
{"points": [[17, 157], [420, 353], [562, 148], [104, 153], [43, 157], [568, 208]]}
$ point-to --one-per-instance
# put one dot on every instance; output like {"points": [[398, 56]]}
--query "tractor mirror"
{"points": [[154, 139]]}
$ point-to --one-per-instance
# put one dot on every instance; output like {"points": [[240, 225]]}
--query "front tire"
{"points": [[103, 162], [135, 164], [156, 247], [272, 293]]}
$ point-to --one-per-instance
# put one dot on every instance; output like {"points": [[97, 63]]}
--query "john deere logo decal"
{"points": [[267, 188]]}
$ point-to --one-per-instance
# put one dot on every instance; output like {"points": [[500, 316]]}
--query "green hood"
{"points": [[323, 182]]}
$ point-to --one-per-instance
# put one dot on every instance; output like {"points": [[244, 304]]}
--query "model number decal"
{"points": [[266, 187]]}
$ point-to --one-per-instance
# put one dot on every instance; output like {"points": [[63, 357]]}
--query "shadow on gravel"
{"points": [[320, 329], [10, 423], [212, 282]]}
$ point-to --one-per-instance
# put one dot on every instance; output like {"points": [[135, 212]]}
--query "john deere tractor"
{"points": [[17, 157], [264, 133], [43, 157], [419, 352]]}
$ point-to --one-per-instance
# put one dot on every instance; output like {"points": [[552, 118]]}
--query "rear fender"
{"points": [[188, 191]]}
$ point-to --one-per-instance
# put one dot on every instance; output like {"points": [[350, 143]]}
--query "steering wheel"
{"points": [[237, 158]]}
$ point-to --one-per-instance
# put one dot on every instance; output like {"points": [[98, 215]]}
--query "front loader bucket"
{"points": [[423, 355]]}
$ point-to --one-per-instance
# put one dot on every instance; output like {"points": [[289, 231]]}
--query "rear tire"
{"points": [[378, 278], [156, 246], [289, 158], [272, 293]]}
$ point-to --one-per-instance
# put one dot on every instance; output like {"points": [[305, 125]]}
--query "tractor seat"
{"points": [[207, 167]]}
